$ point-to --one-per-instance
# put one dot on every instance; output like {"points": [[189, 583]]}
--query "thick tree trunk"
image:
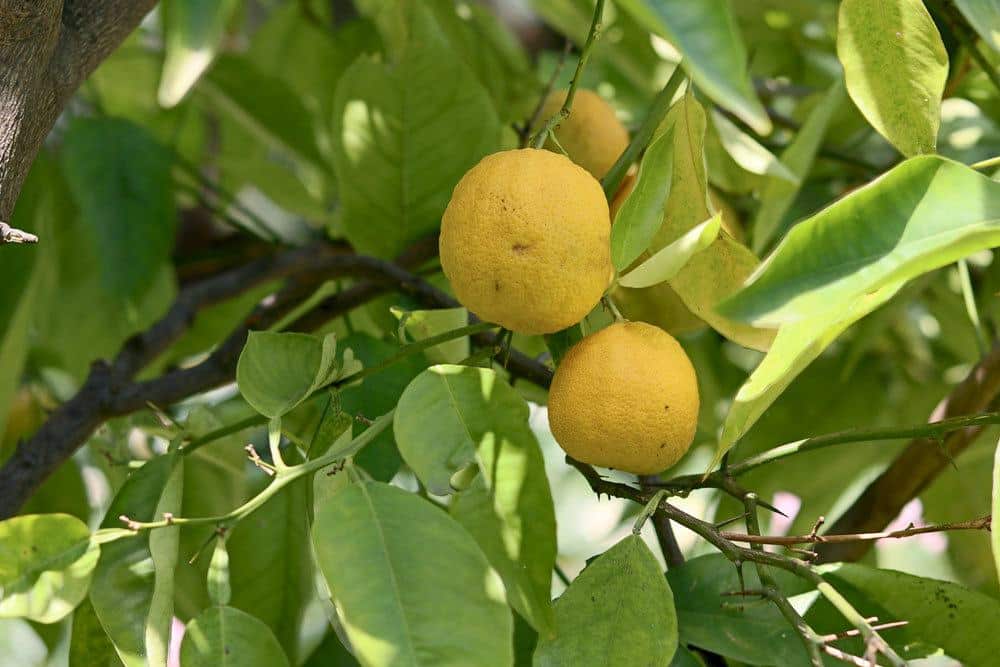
{"points": [[47, 49]]}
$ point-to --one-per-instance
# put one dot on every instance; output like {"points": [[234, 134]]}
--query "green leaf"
{"points": [[929, 212], [995, 523], [707, 36], [959, 621], [89, 644], [509, 511], [795, 347], [421, 324], [224, 636], [895, 66], [412, 586], [756, 634], [641, 215], [193, 31], [277, 371], [270, 565], [777, 196], [406, 132], [377, 395], [619, 611], [46, 563], [132, 590], [684, 658], [668, 261], [720, 269], [446, 413], [266, 106], [747, 153], [120, 178], [984, 17]]}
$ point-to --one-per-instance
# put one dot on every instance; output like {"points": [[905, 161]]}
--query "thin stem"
{"points": [[968, 38], [525, 130], [810, 639], [657, 112], [404, 352], [982, 165], [930, 430], [982, 523], [669, 547], [282, 478], [595, 28]]}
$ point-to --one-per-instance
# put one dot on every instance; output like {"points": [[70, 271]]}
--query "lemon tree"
{"points": [[421, 333]]}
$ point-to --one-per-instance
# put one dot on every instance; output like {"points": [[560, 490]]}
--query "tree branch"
{"points": [[919, 464], [982, 523], [47, 49]]}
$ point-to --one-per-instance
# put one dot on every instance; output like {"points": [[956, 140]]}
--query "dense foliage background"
{"points": [[262, 166]]}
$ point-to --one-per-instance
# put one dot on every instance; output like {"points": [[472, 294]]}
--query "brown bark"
{"points": [[47, 49]]}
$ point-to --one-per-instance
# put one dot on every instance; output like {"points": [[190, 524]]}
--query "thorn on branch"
{"points": [[10, 234], [131, 524]]}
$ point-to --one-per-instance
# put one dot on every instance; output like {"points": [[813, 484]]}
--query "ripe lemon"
{"points": [[592, 136], [526, 241], [625, 397]]}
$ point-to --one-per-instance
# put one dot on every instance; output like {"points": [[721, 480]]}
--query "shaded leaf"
{"points": [[46, 564], [707, 36], [390, 119], [619, 610], [641, 215], [89, 644], [402, 573], [984, 17], [995, 523], [777, 196], [668, 261], [959, 621], [895, 66], [120, 178], [224, 636], [132, 590], [929, 212], [756, 634], [193, 31], [277, 371], [446, 413]]}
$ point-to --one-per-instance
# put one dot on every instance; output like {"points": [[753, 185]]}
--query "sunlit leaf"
{"points": [[747, 152], [923, 214], [619, 611], [668, 261], [714, 54], [412, 586], [46, 563], [421, 324], [895, 66], [639, 218], [193, 31]]}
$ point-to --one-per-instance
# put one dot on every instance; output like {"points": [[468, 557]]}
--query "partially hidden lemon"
{"points": [[526, 241], [625, 397], [592, 136]]}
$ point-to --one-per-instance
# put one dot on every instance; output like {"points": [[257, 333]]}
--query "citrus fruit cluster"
{"points": [[526, 243]]}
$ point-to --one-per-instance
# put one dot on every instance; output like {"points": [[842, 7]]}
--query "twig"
{"points": [[524, 132], [595, 28], [923, 459], [982, 523], [657, 112], [968, 39], [10, 234], [855, 632], [672, 553]]}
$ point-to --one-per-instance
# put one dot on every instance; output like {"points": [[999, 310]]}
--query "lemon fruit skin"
{"points": [[592, 136], [526, 241], [625, 397]]}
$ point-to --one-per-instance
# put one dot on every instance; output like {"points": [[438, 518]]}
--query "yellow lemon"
{"points": [[526, 241], [592, 136], [625, 397]]}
